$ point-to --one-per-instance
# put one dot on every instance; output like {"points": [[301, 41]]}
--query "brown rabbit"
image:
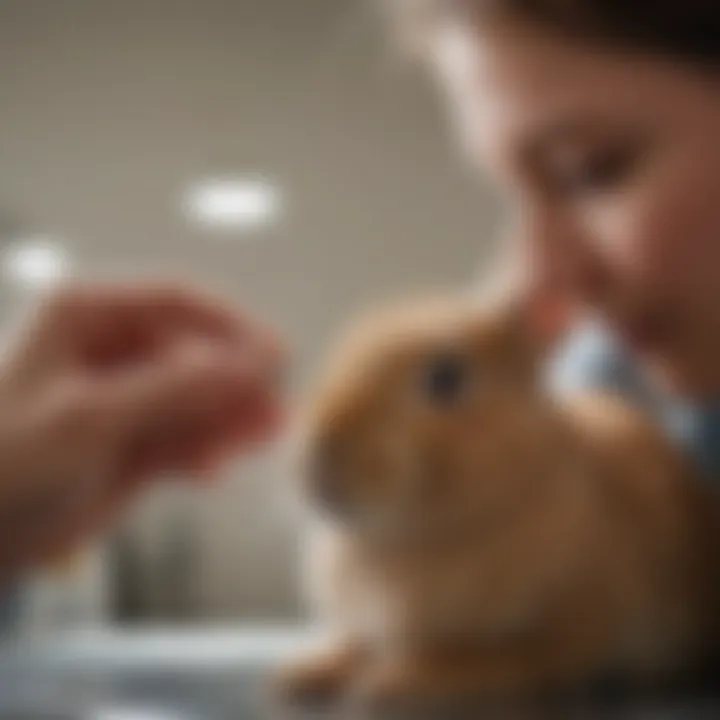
{"points": [[478, 536]]}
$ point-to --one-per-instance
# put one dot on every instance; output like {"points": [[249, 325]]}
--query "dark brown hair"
{"points": [[683, 29]]}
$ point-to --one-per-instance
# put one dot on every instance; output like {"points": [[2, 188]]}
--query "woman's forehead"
{"points": [[515, 82]]}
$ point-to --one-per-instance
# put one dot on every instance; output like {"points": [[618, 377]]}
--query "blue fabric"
{"points": [[591, 359]]}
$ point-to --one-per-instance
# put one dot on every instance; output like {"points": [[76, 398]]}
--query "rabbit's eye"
{"points": [[445, 379]]}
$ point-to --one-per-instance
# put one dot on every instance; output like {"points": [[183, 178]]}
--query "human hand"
{"points": [[108, 387]]}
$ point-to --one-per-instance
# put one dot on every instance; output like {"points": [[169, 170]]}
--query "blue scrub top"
{"points": [[592, 359]]}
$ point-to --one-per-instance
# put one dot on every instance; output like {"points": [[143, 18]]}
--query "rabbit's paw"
{"points": [[318, 678], [387, 688]]}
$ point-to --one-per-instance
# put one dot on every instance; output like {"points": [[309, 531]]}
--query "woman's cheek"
{"points": [[622, 236], [646, 234], [677, 223]]}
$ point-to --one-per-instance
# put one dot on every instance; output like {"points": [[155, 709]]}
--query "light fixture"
{"points": [[233, 203], [34, 262], [123, 713]]}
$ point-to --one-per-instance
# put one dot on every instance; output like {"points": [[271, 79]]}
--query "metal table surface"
{"points": [[217, 674]]}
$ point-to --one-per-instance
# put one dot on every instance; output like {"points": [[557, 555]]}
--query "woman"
{"points": [[601, 119]]}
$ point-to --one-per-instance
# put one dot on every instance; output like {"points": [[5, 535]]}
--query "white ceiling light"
{"points": [[132, 714], [233, 203], [35, 262]]}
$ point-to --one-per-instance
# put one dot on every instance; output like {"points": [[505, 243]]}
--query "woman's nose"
{"points": [[562, 260]]}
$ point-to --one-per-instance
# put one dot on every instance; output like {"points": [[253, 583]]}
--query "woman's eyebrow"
{"points": [[568, 132], [557, 132]]}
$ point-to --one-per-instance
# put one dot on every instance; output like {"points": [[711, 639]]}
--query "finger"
{"points": [[202, 446], [113, 322], [132, 300], [210, 450], [167, 401]]}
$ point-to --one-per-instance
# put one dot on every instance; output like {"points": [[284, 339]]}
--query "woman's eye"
{"points": [[445, 380], [600, 173]]}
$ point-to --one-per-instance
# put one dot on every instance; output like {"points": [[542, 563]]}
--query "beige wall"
{"points": [[108, 109]]}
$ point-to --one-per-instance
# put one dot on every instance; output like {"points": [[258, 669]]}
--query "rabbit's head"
{"points": [[429, 416]]}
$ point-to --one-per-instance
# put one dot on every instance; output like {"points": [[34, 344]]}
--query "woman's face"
{"points": [[613, 166]]}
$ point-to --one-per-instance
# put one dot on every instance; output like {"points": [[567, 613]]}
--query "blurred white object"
{"points": [[35, 262], [233, 203]]}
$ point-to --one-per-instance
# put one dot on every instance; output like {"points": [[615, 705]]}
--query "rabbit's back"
{"points": [[624, 544]]}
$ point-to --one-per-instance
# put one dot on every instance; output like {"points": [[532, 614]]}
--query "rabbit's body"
{"points": [[538, 545]]}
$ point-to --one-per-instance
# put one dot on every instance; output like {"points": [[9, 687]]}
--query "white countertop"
{"points": [[217, 673], [172, 648], [199, 674]]}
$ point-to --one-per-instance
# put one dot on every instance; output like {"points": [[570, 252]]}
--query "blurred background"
{"points": [[274, 150]]}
